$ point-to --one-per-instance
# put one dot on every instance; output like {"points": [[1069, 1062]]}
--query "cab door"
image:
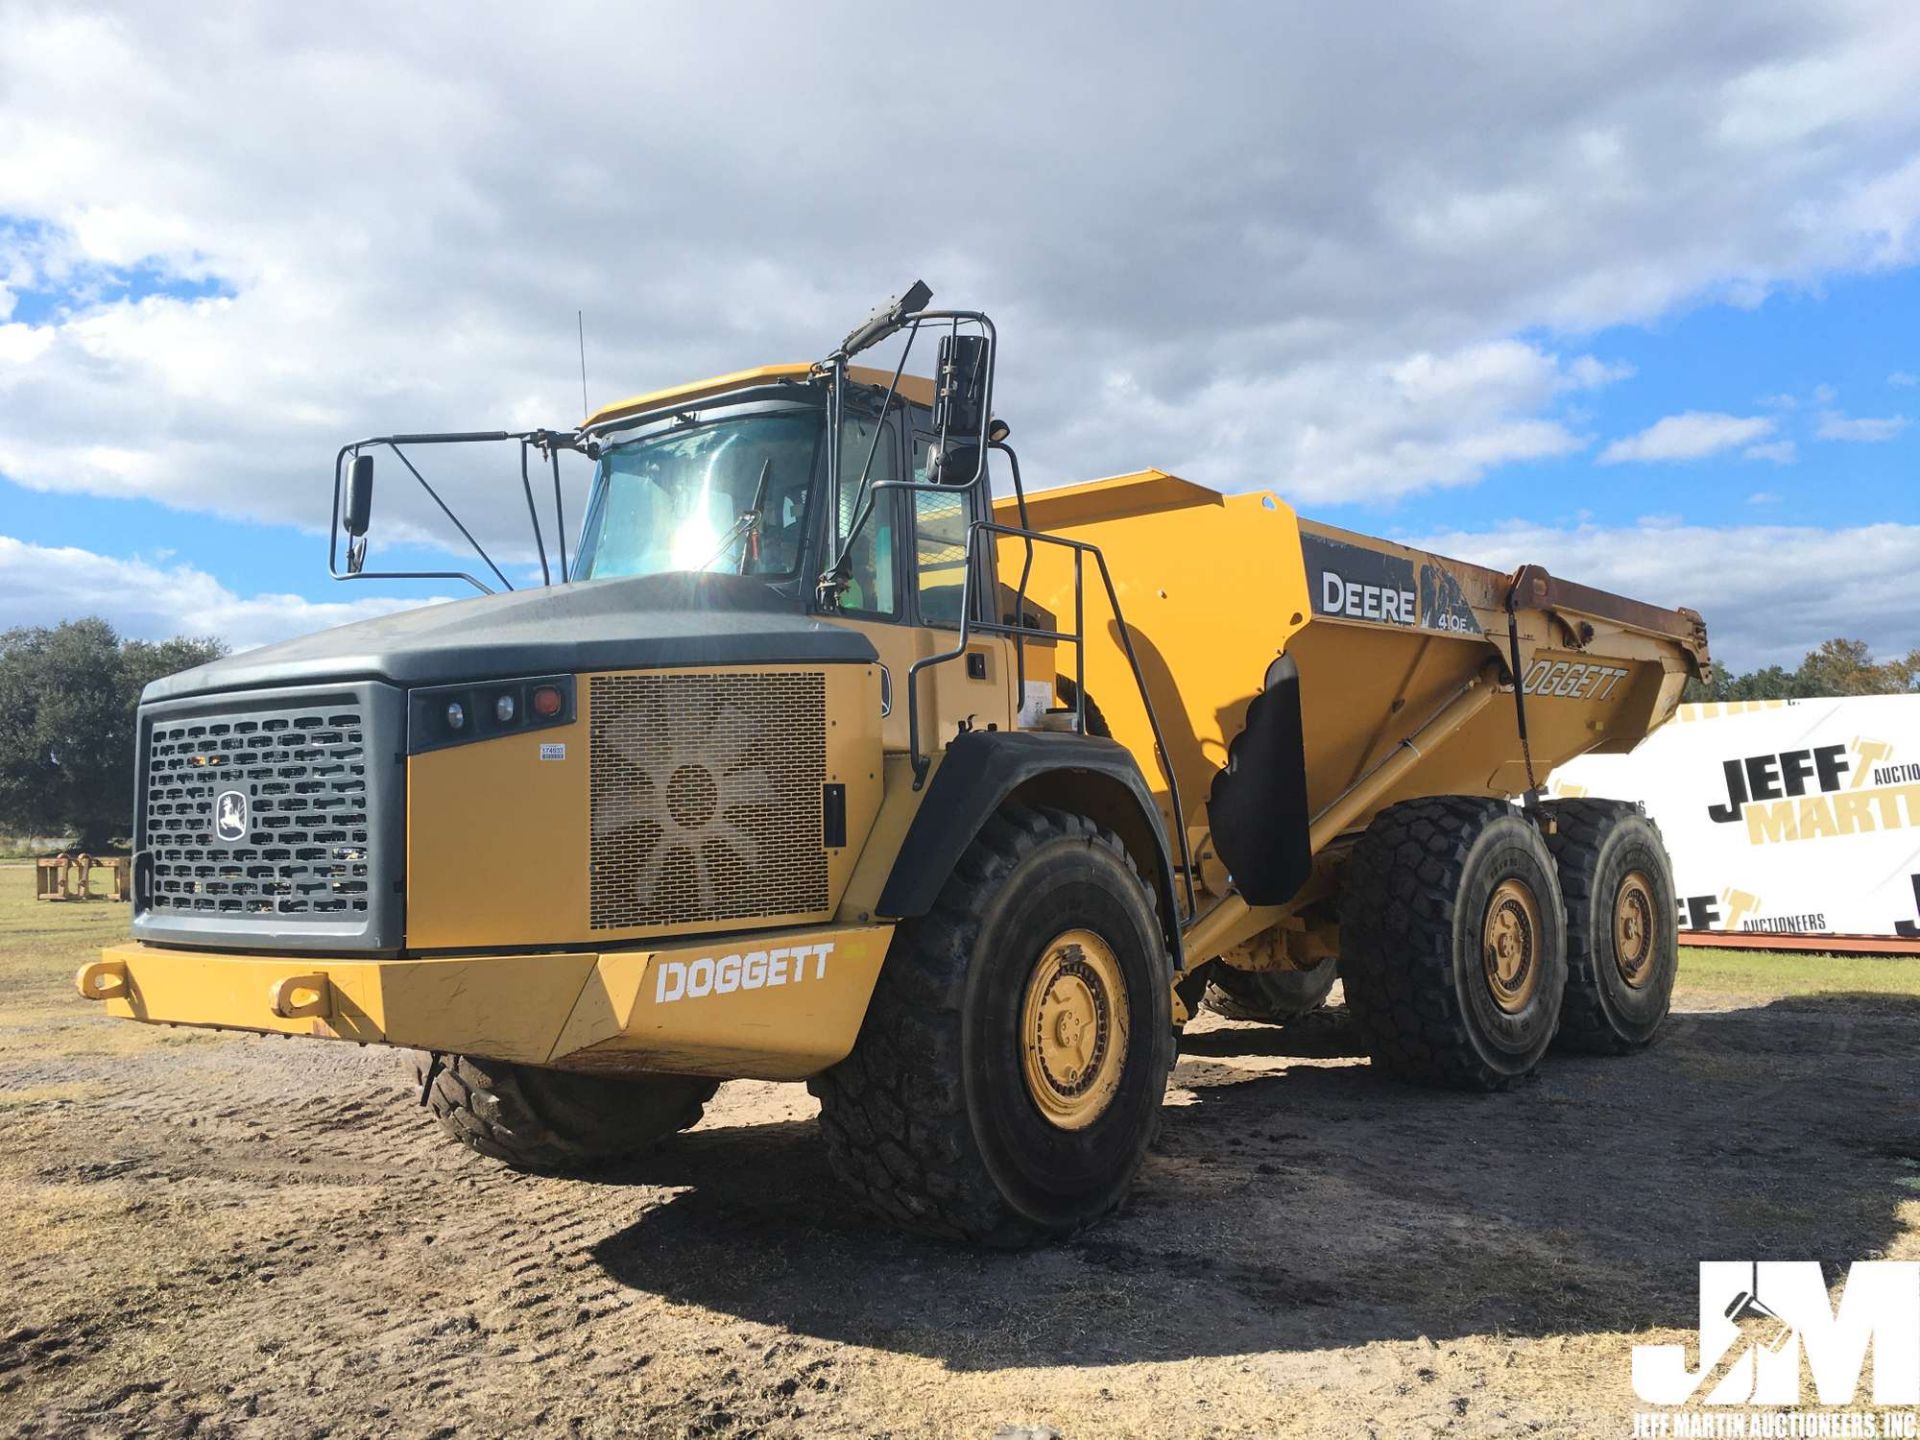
{"points": [[874, 602], [978, 688], [904, 594]]}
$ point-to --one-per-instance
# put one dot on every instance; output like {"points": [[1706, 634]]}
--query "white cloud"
{"points": [[1380, 430], [1690, 436], [1249, 270], [1769, 593], [1866, 430], [152, 599], [1763, 497], [1903, 379], [1780, 452], [23, 344]]}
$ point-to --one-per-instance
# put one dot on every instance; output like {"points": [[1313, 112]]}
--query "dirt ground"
{"points": [[226, 1235]]}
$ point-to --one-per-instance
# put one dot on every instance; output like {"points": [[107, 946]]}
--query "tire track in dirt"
{"points": [[249, 1237]]}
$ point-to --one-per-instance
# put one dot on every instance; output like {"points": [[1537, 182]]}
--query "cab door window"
{"points": [[940, 521], [873, 575]]}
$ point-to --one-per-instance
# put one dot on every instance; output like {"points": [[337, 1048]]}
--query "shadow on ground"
{"points": [[1294, 1200]]}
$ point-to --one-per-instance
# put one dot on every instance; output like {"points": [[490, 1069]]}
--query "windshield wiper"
{"points": [[748, 525]]}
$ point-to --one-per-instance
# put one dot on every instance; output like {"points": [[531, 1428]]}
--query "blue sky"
{"points": [[1631, 294], [1798, 355]]}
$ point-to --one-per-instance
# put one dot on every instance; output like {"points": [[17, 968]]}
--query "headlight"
{"points": [[466, 714]]}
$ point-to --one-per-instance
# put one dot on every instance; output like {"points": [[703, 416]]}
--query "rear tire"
{"points": [[1453, 942], [979, 1103], [1623, 931], [557, 1122], [1272, 997]]}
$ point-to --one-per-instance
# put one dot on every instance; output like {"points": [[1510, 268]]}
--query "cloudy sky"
{"points": [[1627, 289]]}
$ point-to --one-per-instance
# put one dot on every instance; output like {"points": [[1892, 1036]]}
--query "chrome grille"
{"points": [[706, 797], [303, 850]]}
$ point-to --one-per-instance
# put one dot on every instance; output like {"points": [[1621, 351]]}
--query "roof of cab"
{"points": [[914, 389]]}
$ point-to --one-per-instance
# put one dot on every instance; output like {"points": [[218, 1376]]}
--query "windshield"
{"points": [[728, 494]]}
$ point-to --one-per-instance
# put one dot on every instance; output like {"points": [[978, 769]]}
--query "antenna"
{"points": [[580, 324]]}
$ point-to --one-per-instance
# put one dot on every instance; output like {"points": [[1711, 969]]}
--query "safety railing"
{"points": [[1021, 633]]}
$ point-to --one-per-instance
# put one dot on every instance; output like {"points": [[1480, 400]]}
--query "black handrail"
{"points": [[969, 626]]}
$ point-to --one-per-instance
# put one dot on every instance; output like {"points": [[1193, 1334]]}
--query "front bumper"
{"points": [[772, 1006]]}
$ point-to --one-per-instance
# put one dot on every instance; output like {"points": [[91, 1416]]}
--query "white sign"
{"points": [[1036, 700], [1786, 817]]}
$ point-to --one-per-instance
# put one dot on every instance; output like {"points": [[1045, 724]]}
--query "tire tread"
{"points": [[894, 1113], [1398, 907], [1581, 827], [521, 1117]]}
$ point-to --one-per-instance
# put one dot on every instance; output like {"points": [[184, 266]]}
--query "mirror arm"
{"points": [[446, 510], [533, 514], [559, 512]]}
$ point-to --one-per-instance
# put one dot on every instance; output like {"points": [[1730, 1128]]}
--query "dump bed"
{"points": [[1219, 589]]}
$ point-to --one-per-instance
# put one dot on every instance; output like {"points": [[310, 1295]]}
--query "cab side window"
{"points": [[940, 520], [871, 587]]}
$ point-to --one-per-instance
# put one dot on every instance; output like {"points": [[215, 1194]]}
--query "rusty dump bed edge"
{"points": [[1539, 589]]}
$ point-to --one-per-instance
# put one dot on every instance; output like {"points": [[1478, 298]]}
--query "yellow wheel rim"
{"points": [[1510, 945], [1633, 929], [1073, 1029]]}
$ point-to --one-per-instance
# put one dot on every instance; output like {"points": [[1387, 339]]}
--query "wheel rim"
{"points": [[1510, 945], [1633, 929], [1073, 1029]]}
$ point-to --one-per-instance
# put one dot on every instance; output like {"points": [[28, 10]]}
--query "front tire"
{"points": [[557, 1122], [1453, 942], [1623, 930], [1009, 1074]]}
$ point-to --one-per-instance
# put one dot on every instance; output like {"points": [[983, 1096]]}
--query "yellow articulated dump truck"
{"points": [[816, 759]]}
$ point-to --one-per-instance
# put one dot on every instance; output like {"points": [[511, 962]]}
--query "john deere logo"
{"points": [[230, 815]]}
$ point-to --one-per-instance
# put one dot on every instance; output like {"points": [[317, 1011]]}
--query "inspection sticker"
{"points": [[553, 752]]}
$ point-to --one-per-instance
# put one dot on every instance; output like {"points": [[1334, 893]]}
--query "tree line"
{"points": [[1837, 668], [68, 694]]}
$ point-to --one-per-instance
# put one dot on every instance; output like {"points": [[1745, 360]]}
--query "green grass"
{"points": [[1795, 972], [42, 944]]}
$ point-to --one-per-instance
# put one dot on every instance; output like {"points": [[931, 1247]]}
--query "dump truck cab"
{"points": [[810, 757], [678, 474]]}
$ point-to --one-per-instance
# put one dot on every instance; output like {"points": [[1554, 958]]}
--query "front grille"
{"points": [[300, 847], [706, 797]]}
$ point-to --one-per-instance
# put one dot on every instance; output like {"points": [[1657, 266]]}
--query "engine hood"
{"points": [[647, 622]]}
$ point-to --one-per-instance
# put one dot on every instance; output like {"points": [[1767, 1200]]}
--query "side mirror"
{"points": [[955, 465], [359, 506], [960, 395]]}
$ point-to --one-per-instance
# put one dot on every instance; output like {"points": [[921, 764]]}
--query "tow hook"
{"points": [[103, 980], [299, 996]]}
